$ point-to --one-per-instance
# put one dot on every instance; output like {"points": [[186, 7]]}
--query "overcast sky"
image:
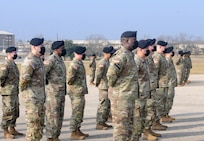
{"points": [[78, 19]]}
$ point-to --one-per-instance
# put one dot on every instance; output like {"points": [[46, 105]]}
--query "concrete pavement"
{"points": [[188, 110]]}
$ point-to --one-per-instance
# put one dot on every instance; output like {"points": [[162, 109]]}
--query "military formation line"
{"points": [[136, 89]]}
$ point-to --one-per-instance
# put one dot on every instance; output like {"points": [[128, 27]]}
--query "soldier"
{"points": [[122, 79], [32, 86], [92, 66], [77, 86], [55, 91], [188, 66], [162, 84], [153, 80], [102, 84], [9, 89], [143, 105], [180, 69], [172, 83]]}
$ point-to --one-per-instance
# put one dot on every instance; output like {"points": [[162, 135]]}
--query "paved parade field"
{"points": [[188, 110]]}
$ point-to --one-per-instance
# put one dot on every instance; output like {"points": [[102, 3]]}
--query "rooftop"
{"points": [[5, 33]]}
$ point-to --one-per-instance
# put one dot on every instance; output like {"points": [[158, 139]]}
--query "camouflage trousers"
{"points": [[103, 110], [180, 76], [144, 115], [54, 114], [92, 75], [78, 104], [186, 74], [170, 98], [35, 114], [153, 97], [10, 108], [122, 109], [160, 99]]}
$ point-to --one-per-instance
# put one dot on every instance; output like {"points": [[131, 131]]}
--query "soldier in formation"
{"points": [[55, 91], [103, 110], [32, 86], [92, 66], [77, 88], [122, 79], [9, 90]]}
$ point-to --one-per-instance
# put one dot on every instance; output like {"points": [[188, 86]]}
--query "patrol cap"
{"points": [[143, 44], [79, 49], [36, 41], [169, 49], [129, 34], [151, 41], [108, 50], [57, 44], [162, 43], [10, 49]]}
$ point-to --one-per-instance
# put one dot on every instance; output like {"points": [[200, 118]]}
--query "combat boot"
{"points": [[148, 136], [76, 136], [14, 132], [49, 139], [155, 134], [158, 126], [8, 135], [172, 118], [109, 126], [81, 133], [101, 127], [166, 119]]}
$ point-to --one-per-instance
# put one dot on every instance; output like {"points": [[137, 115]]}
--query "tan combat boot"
{"points": [[76, 136], [155, 134], [172, 118], [166, 119], [14, 132], [148, 136], [101, 127], [158, 126], [109, 126], [81, 133], [49, 139], [8, 135]]}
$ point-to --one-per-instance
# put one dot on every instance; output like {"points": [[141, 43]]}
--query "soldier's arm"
{"points": [[99, 73], [91, 63], [27, 71], [48, 66], [71, 74], [3, 74], [157, 64], [114, 70]]}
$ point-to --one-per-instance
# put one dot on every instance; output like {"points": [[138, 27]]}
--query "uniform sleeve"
{"points": [[99, 72], [27, 71], [71, 74], [91, 63], [116, 66], [3, 74], [48, 65], [156, 60]]}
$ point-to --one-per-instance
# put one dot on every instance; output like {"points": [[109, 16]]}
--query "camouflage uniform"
{"points": [[122, 77], [77, 88], [92, 66], [102, 82], [162, 83], [188, 66], [55, 94], [33, 92], [9, 79], [144, 105], [180, 70], [172, 84], [153, 83]]}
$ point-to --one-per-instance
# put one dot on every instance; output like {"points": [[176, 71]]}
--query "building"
{"points": [[6, 39]]}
